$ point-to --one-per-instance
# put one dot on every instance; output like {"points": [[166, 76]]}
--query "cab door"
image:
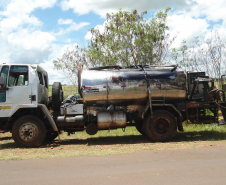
{"points": [[18, 88], [16, 91]]}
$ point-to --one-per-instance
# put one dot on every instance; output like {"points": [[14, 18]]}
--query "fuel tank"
{"points": [[124, 87]]}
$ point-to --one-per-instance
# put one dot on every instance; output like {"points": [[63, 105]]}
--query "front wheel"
{"points": [[162, 127], [29, 131]]}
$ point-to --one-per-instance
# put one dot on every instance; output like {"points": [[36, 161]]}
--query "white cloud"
{"points": [[57, 52], [199, 21], [35, 40], [4, 3], [19, 32], [17, 14], [101, 7], [72, 26], [18, 7], [54, 75], [65, 21], [10, 24], [26, 47], [186, 28], [100, 27], [212, 10]]}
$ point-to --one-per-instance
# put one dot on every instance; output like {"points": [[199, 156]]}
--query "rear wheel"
{"points": [[162, 127], [29, 131], [57, 96]]}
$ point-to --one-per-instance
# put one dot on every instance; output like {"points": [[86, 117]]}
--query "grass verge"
{"points": [[113, 142]]}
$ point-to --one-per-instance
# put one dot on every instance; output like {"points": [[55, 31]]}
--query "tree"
{"points": [[70, 61], [208, 56], [212, 55], [130, 39]]}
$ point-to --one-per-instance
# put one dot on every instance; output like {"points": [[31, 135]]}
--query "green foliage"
{"points": [[207, 55], [130, 39], [70, 61], [182, 56], [127, 39]]}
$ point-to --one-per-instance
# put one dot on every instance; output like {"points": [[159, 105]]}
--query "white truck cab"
{"points": [[23, 103], [23, 85]]}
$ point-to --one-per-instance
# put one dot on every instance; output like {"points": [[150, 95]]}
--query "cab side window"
{"points": [[46, 81], [40, 78], [18, 76]]}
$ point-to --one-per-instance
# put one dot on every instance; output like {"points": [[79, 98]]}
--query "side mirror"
{"points": [[2, 80]]}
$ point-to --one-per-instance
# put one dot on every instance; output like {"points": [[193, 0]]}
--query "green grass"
{"points": [[113, 142]]}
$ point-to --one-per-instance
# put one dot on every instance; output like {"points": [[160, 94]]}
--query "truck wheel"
{"points": [[139, 126], [57, 95], [28, 131], [162, 127]]}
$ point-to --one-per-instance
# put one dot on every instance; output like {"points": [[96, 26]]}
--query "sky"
{"points": [[39, 31]]}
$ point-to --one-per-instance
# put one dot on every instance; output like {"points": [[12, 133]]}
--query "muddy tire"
{"points": [[29, 131], [57, 96], [162, 127], [139, 126]]}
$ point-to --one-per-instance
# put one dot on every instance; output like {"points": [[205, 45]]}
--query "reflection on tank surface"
{"points": [[130, 86]]}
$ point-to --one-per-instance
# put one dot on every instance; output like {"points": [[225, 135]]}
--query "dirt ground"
{"points": [[179, 166]]}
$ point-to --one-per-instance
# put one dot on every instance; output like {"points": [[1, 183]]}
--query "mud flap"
{"points": [[49, 117]]}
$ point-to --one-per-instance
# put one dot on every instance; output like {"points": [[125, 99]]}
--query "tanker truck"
{"points": [[154, 99]]}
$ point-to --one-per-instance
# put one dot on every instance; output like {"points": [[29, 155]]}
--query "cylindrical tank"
{"points": [[63, 121], [130, 86], [111, 120]]}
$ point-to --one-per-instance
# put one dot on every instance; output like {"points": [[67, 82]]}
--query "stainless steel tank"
{"points": [[130, 86]]}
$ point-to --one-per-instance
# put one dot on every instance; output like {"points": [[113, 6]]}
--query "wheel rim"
{"points": [[28, 132], [161, 126]]}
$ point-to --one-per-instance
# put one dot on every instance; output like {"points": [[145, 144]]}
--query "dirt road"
{"points": [[171, 167]]}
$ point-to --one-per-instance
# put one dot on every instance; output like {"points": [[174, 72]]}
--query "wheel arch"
{"points": [[36, 111]]}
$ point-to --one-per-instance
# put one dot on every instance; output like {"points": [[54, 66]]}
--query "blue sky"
{"points": [[39, 31]]}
